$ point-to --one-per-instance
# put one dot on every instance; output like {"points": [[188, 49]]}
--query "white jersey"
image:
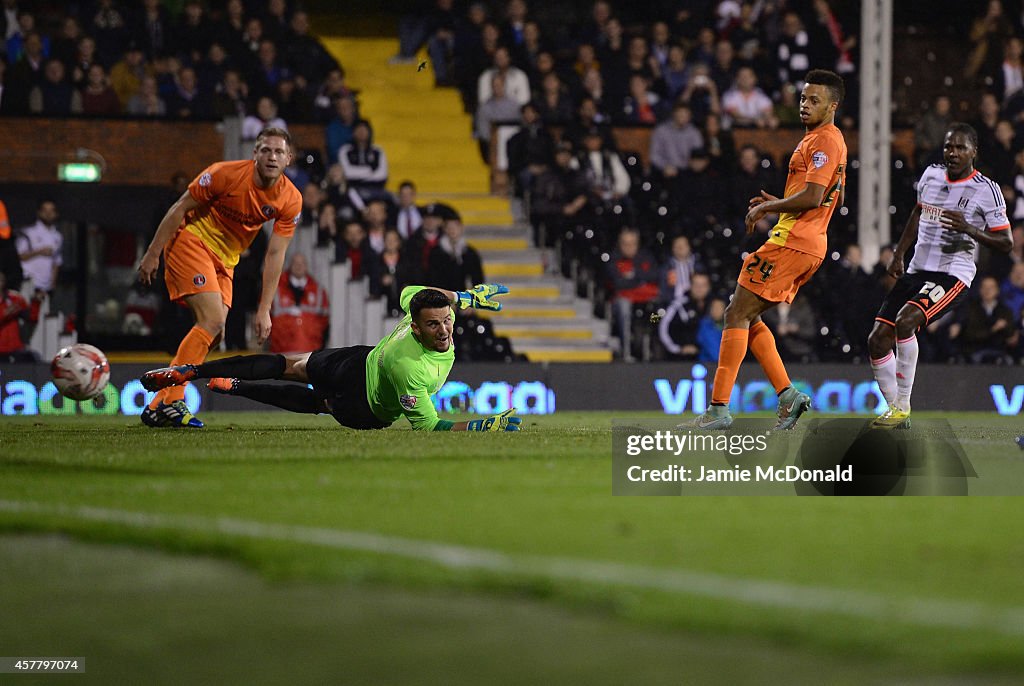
{"points": [[950, 252]]}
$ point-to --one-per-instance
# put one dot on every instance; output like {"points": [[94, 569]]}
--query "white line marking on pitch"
{"points": [[964, 615]]}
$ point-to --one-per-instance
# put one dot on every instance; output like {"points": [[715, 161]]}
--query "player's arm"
{"points": [[1000, 241], [908, 239], [504, 421], [807, 198], [272, 265], [168, 225], [482, 296]]}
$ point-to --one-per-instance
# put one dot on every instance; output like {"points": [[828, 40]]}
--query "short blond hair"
{"points": [[274, 132]]}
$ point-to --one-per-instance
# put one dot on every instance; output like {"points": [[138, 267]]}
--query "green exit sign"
{"points": [[78, 172]]}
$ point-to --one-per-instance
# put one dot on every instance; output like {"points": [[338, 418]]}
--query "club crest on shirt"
{"points": [[268, 211], [819, 159], [408, 401], [199, 280], [205, 179]]}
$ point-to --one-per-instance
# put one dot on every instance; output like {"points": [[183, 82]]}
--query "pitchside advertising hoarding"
{"points": [[672, 389]]}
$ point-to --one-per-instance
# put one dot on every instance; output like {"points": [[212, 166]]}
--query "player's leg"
{"points": [[290, 367], [744, 308], [910, 318], [881, 343]]}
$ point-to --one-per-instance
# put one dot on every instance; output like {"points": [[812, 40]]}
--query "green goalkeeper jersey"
{"points": [[401, 374]]}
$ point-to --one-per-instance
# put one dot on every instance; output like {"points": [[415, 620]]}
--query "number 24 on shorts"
{"points": [[762, 265]]}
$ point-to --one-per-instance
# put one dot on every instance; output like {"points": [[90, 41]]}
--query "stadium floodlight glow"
{"points": [[79, 172]]}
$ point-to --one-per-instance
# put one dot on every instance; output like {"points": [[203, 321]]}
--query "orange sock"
{"points": [[193, 350], [762, 344], [730, 357]]}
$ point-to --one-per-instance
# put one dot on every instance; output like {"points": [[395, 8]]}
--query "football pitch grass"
{"points": [[277, 548]]}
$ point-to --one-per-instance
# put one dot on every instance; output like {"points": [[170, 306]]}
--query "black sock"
{"points": [[244, 367], [719, 404], [779, 394], [291, 397]]}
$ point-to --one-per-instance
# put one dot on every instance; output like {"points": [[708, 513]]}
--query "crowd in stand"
{"points": [[656, 231]]}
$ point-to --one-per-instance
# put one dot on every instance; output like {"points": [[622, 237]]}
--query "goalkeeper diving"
{"points": [[362, 387]]}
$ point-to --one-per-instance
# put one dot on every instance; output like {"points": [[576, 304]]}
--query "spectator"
{"points": [[554, 104], [147, 102], [339, 129], [65, 46], [834, 47], [55, 96], [10, 263], [517, 85], [192, 35], [588, 116], [275, 20], [675, 73], [375, 221], [660, 47], [442, 47], [985, 123], [793, 54], [673, 142], [514, 26], [98, 98], [85, 57], [709, 331], [407, 215], [642, 106], [530, 151], [231, 27], [498, 108], [187, 101], [633, 279], [607, 180], [453, 264], [787, 112], [751, 178], [268, 69], [795, 329], [930, 132], [306, 57], [558, 202], [987, 35], [13, 309], [593, 31], [151, 28], [675, 276], [677, 330], [1012, 292], [265, 116], [593, 89], [1009, 78], [392, 272], [24, 26], [721, 146], [354, 249], [40, 247], [365, 164], [417, 28], [126, 76], [25, 74], [723, 68], [701, 94], [702, 200], [345, 200], [211, 70], [300, 313], [852, 318], [530, 50], [746, 105], [996, 160], [420, 244], [988, 331], [109, 26], [482, 47], [330, 90], [230, 96]]}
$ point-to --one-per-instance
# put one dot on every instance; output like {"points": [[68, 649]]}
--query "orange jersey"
{"points": [[819, 158], [232, 208]]}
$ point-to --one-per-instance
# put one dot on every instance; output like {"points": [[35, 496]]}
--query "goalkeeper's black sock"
{"points": [[291, 397], [250, 367]]}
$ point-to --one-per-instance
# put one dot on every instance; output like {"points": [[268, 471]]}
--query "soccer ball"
{"points": [[80, 371]]}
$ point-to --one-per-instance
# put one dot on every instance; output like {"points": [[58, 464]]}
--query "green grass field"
{"points": [[273, 548]]}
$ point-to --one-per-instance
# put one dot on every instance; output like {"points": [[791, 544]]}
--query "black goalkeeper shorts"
{"points": [[338, 376]]}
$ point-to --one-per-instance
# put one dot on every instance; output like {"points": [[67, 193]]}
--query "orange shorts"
{"points": [[776, 273], [191, 267]]}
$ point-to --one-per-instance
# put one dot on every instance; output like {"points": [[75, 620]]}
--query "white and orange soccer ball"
{"points": [[80, 371]]}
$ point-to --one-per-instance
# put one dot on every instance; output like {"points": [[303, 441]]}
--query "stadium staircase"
{"points": [[427, 138]]}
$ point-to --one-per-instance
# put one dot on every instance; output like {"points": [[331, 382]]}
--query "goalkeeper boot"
{"points": [[168, 376], [896, 417], [715, 418], [174, 414], [792, 404], [223, 386]]}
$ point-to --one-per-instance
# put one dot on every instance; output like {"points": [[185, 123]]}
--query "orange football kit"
{"points": [[202, 256]]}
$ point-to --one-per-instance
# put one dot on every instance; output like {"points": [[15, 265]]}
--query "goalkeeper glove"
{"points": [[479, 296], [499, 422]]}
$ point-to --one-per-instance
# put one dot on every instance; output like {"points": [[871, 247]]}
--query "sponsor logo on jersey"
{"points": [[268, 211], [205, 179], [819, 159], [408, 401], [199, 280], [930, 212]]}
